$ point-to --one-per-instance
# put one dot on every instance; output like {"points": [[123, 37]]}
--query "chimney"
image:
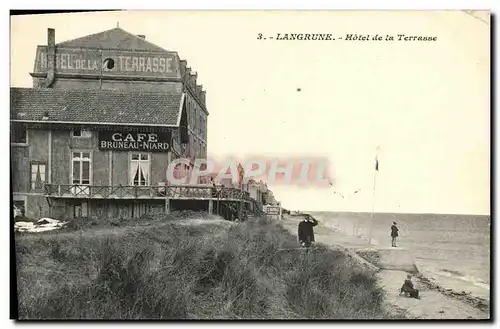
{"points": [[192, 80], [51, 57], [183, 65], [142, 36], [203, 96], [199, 88], [188, 75], [51, 38]]}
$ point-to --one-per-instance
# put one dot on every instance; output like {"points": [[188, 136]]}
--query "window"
{"points": [[196, 119], [77, 132], [191, 146], [200, 128], [181, 170], [37, 175], [191, 115], [18, 135], [80, 167], [81, 210], [108, 64], [139, 169], [203, 122], [198, 122], [203, 149]]}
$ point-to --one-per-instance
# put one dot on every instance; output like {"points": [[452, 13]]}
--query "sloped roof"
{"points": [[96, 106], [116, 38]]}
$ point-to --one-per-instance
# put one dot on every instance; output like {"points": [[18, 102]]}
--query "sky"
{"points": [[427, 104]]}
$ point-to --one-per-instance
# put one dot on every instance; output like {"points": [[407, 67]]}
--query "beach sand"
{"points": [[435, 303]]}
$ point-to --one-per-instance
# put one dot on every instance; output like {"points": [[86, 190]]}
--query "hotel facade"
{"points": [[106, 115]]}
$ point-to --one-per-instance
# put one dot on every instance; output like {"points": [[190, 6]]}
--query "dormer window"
{"points": [[77, 132]]}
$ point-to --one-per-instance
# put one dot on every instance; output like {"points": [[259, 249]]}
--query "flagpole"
{"points": [[372, 217]]}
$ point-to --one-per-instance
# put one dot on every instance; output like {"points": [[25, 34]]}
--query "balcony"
{"points": [[178, 192]]}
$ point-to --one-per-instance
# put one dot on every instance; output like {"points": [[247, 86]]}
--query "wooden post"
{"points": [[49, 164], [50, 208], [167, 205], [110, 168], [210, 207]]}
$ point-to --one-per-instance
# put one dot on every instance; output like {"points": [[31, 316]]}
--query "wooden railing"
{"points": [[257, 207], [145, 192]]}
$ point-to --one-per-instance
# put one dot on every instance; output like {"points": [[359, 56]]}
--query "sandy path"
{"points": [[432, 305]]}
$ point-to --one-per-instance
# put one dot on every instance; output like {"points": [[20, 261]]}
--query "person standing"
{"points": [[394, 233], [306, 231]]}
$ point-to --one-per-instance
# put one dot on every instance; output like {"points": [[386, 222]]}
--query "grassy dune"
{"points": [[188, 269]]}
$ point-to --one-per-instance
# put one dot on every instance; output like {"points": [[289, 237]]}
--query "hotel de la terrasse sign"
{"points": [[135, 141], [109, 63]]}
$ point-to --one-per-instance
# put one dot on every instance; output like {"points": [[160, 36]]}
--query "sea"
{"points": [[452, 250]]}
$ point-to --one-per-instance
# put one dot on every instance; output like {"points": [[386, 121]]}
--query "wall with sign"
{"points": [[109, 166], [135, 141], [110, 63]]}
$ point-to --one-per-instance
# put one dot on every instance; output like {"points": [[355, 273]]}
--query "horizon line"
{"points": [[402, 213]]}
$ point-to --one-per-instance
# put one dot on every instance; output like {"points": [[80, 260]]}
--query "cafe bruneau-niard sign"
{"points": [[135, 141]]}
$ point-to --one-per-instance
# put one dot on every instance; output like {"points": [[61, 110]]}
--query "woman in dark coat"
{"points": [[306, 231], [394, 233]]}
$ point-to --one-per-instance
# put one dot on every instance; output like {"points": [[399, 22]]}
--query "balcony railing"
{"points": [[146, 192]]}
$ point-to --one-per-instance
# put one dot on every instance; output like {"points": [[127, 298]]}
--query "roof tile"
{"points": [[103, 106]]}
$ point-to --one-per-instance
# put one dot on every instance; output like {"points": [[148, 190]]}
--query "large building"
{"points": [[106, 115]]}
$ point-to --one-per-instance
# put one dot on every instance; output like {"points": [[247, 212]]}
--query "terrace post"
{"points": [[210, 207], [167, 205]]}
